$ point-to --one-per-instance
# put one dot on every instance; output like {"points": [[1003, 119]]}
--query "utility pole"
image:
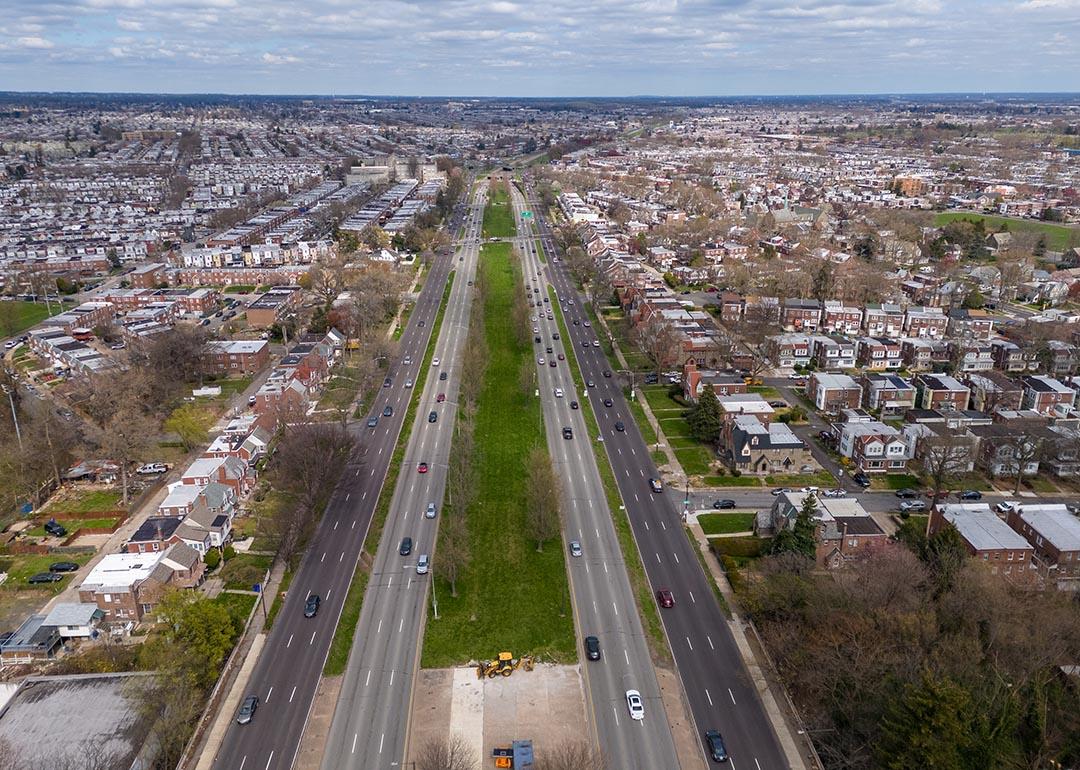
{"points": [[14, 415]]}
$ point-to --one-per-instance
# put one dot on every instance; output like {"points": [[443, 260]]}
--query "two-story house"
{"points": [[873, 447], [885, 320], [891, 394], [833, 352], [993, 390], [987, 538], [1054, 533], [878, 354], [761, 449], [1010, 357], [801, 315], [922, 354], [838, 318], [940, 391], [789, 350], [1046, 395], [971, 355], [970, 324], [925, 322], [695, 381], [831, 393]]}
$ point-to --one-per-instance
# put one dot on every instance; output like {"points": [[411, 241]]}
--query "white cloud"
{"points": [[34, 41], [273, 58], [130, 24]]}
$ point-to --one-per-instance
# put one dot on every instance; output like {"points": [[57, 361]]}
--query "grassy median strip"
{"points": [[499, 214], [650, 618], [338, 657], [510, 597]]}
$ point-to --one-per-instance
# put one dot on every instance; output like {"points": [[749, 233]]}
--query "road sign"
{"points": [[526, 215]]}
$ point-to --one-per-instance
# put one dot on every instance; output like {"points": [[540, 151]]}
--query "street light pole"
{"points": [[14, 415]]}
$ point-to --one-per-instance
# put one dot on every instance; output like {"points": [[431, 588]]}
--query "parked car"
{"points": [[834, 493], [665, 598], [63, 566], [970, 494], [780, 490], [906, 493], [861, 479], [44, 577], [912, 505], [778, 404], [311, 606], [247, 710], [723, 504], [150, 469], [592, 648], [1005, 506], [634, 704], [54, 528]]}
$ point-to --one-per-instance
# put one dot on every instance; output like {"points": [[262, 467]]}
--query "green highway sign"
{"points": [[526, 215]]}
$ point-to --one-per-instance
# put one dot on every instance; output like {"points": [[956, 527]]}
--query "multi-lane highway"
{"points": [[290, 665], [371, 717], [716, 682], [603, 598]]}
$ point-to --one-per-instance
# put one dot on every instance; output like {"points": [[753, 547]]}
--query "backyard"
{"points": [[1058, 237]]}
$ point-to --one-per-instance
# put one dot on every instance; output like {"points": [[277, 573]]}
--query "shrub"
{"points": [[734, 575], [228, 553], [746, 547], [212, 558]]}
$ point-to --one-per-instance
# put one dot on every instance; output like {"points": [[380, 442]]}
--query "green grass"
{"points": [[726, 523], [648, 433], [895, 481], [731, 481], [244, 570], [88, 501], [821, 478], [746, 547], [22, 566], [72, 525], [695, 461], [510, 597], [1041, 485], [238, 605], [646, 606], [661, 403], [658, 457], [1058, 237], [674, 427], [338, 657], [405, 313], [275, 606], [720, 599], [18, 316], [232, 386], [499, 214], [240, 288], [341, 389], [765, 391], [974, 481]]}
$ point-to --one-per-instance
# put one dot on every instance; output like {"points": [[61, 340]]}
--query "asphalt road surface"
{"points": [[602, 596], [288, 671], [369, 729], [717, 684]]}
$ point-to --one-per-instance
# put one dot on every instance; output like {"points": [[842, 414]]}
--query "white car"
{"points": [[1005, 506], [540, 361], [407, 361], [634, 704], [151, 469], [429, 513], [558, 393], [422, 564], [408, 383], [536, 330], [835, 493], [596, 343], [586, 323], [435, 362]]}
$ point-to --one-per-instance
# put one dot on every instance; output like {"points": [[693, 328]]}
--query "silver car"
{"points": [[430, 512], [422, 564]]}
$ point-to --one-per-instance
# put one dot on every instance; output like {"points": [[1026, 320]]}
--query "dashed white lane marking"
{"points": [[292, 694], [312, 640], [354, 735], [692, 599], [709, 697], [289, 643], [729, 692], [709, 640], [269, 693], [690, 644], [269, 759]]}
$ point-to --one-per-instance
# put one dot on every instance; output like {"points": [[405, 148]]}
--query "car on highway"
{"points": [[562, 357], [150, 469], [63, 566], [311, 606], [969, 494], [558, 392], [573, 404], [714, 743], [909, 506], [387, 382], [406, 546], [586, 324], [555, 336], [634, 704], [567, 433], [429, 512], [548, 350], [723, 504], [540, 360], [552, 363], [655, 485], [442, 375], [388, 411], [422, 564], [421, 468], [373, 421], [575, 548], [608, 402], [596, 343], [408, 383], [590, 383], [435, 361], [592, 648], [607, 372], [44, 577], [906, 493], [619, 426], [665, 598], [433, 417], [247, 710], [407, 360]]}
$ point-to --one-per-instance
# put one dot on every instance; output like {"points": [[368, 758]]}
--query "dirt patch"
{"points": [[687, 745], [546, 705], [313, 743]]}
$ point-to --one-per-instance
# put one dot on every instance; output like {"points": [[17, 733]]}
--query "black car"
{"points": [[442, 375], [406, 546], [63, 566], [607, 372], [432, 417], [387, 411], [778, 404], [620, 427], [247, 710], [420, 324], [567, 433], [592, 648], [906, 493], [861, 479], [715, 744], [651, 379], [311, 606], [54, 528], [608, 402], [573, 404], [724, 504], [44, 577], [386, 383], [555, 336], [969, 494]]}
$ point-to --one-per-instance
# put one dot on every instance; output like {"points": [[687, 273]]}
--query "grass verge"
{"points": [[510, 597], [720, 599], [726, 523], [338, 657], [279, 598], [499, 214]]}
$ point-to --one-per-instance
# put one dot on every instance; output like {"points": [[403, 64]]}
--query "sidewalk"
{"points": [[234, 679], [779, 710]]}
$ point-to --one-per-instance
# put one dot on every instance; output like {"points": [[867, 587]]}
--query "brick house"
{"points": [[878, 354], [971, 356], [762, 448], [999, 444], [696, 380], [833, 392], [920, 355], [236, 356], [873, 447], [988, 539], [838, 318], [230, 471], [273, 305], [833, 352], [148, 276], [801, 315], [885, 320], [970, 324], [155, 534], [889, 393], [940, 391], [1054, 533], [127, 585], [844, 531], [1063, 358], [1046, 395], [994, 390], [788, 350], [732, 307], [925, 322], [1010, 357]]}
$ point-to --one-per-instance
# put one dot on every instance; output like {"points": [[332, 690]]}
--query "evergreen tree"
{"points": [[706, 418], [802, 537]]}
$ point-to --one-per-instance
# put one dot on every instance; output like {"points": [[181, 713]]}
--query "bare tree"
{"points": [[944, 458], [657, 340], [570, 756], [124, 436], [451, 752], [454, 553], [543, 490], [1020, 450]]}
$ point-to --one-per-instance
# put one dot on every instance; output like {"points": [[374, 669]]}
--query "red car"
{"points": [[440, 398], [421, 468], [665, 597]]}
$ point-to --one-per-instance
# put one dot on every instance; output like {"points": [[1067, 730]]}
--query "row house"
{"points": [[889, 394], [1054, 533], [801, 315], [879, 354], [970, 324], [873, 447], [1010, 357], [838, 318], [695, 381], [236, 356], [833, 352], [925, 322], [930, 438], [832, 393], [941, 392], [1063, 358], [249, 447], [988, 539], [732, 307], [920, 355], [1062, 457], [789, 350], [230, 471], [1048, 396], [971, 356], [127, 586], [1003, 451], [885, 320], [993, 390]]}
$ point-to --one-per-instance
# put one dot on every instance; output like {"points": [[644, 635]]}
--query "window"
{"points": [[157, 546], [108, 598]]}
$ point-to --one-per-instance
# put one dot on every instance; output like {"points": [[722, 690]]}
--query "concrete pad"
{"points": [[431, 707], [313, 744], [467, 708]]}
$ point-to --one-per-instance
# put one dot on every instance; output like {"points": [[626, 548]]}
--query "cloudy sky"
{"points": [[546, 48]]}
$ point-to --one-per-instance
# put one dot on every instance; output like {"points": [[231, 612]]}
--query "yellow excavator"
{"points": [[504, 665]]}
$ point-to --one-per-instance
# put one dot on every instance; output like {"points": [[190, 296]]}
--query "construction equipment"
{"points": [[504, 665]]}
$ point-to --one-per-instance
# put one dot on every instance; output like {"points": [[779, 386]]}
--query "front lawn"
{"points": [[726, 523], [821, 478], [245, 570], [510, 597], [675, 427], [895, 481], [85, 501], [695, 461]]}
